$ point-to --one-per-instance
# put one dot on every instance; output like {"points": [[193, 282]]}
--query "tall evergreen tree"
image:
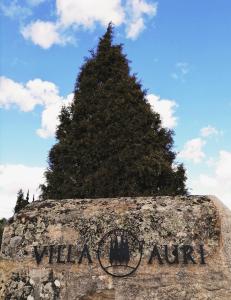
{"points": [[109, 141], [21, 202], [2, 225], [27, 196]]}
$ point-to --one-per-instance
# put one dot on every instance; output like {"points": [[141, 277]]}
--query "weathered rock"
{"points": [[191, 235], [57, 283], [19, 230], [15, 241]]}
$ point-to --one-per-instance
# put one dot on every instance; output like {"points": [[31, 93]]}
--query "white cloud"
{"points": [[45, 34], [166, 109], [223, 167], [49, 117], [211, 162], [13, 178], [44, 93], [218, 182], [87, 12], [27, 96], [193, 150], [34, 92], [49, 121], [136, 10], [135, 28], [208, 131], [17, 9], [14, 10], [75, 15]]}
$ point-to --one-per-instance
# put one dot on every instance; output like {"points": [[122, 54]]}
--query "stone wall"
{"points": [[50, 250]]}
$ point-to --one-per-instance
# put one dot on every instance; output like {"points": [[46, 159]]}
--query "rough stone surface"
{"points": [[193, 220]]}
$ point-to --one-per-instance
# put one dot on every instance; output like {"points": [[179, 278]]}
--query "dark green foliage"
{"points": [[109, 141], [2, 225], [27, 196], [21, 202]]}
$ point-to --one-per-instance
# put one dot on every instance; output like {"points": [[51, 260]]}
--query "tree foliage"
{"points": [[2, 225], [21, 202], [109, 141]]}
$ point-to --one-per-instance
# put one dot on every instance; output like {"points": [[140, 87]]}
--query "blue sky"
{"points": [[180, 50]]}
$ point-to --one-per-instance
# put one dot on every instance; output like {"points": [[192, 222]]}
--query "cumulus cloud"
{"points": [[87, 12], [217, 177], [45, 34], [136, 10], [13, 178], [49, 117], [46, 94], [74, 15], [27, 96], [35, 92], [193, 150], [209, 131], [135, 28], [166, 108], [218, 181]]}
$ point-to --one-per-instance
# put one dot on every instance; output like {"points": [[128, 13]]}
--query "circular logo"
{"points": [[119, 253]]}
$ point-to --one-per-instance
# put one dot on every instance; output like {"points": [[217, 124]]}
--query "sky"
{"points": [[180, 50]]}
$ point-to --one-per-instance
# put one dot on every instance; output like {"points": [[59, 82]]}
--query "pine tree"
{"points": [[21, 202], [27, 197], [2, 225], [109, 141]]}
